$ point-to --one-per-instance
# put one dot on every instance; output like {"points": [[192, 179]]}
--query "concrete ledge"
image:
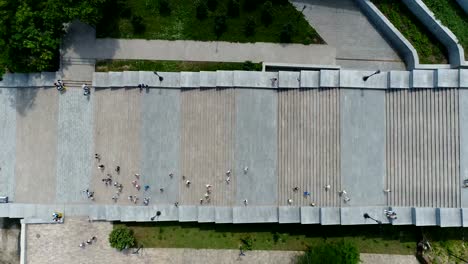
{"points": [[98, 212], [310, 79], [128, 213], [189, 79], [422, 79], [149, 78], [116, 79], [289, 80], [143, 213], [386, 28], [225, 79], [399, 79], [223, 215], [208, 79], [16, 210], [252, 79], [101, 80], [206, 214], [449, 217], [442, 33], [355, 215], [289, 214], [463, 78], [8, 80], [464, 5], [170, 80], [330, 216], [354, 79], [188, 213], [255, 214], [131, 79], [464, 212], [20, 79], [329, 79], [48, 78], [168, 212], [5, 210], [34, 80], [424, 216], [113, 213], [446, 78], [404, 216], [310, 215]]}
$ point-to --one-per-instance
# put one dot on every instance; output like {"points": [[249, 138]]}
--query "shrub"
{"points": [[248, 66], [267, 13], [286, 33], [276, 237], [212, 4], [121, 238], [220, 25], [201, 10], [247, 243], [137, 23], [342, 252], [249, 27], [164, 7], [233, 7]]}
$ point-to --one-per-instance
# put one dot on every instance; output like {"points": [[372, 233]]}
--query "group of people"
{"points": [[61, 87], [88, 242]]}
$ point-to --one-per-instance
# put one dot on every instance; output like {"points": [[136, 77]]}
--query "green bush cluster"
{"points": [[330, 253], [121, 238]]}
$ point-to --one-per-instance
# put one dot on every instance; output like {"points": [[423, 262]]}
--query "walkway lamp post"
{"points": [[160, 77], [368, 76], [158, 213], [367, 216]]}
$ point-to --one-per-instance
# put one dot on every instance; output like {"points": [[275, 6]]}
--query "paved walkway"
{"points": [[343, 26], [55, 243], [80, 46]]}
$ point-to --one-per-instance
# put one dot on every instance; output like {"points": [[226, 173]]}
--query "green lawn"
{"points": [[429, 49], [386, 239], [453, 17], [394, 240], [172, 66], [182, 23]]}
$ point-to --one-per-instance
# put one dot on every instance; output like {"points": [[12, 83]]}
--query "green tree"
{"points": [[233, 7], [286, 33], [121, 238], [249, 26], [31, 31], [201, 10], [220, 25], [164, 7], [267, 13], [212, 4]]}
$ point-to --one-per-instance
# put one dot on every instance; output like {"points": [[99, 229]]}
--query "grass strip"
{"points": [[429, 49]]}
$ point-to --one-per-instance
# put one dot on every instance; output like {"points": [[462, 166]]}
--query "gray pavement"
{"points": [[160, 135], [36, 145], [74, 146], [256, 147], [343, 26], [7, 141], [363, 147]]}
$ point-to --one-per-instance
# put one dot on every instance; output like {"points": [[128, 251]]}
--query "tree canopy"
{"points": [[31, 31]]}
